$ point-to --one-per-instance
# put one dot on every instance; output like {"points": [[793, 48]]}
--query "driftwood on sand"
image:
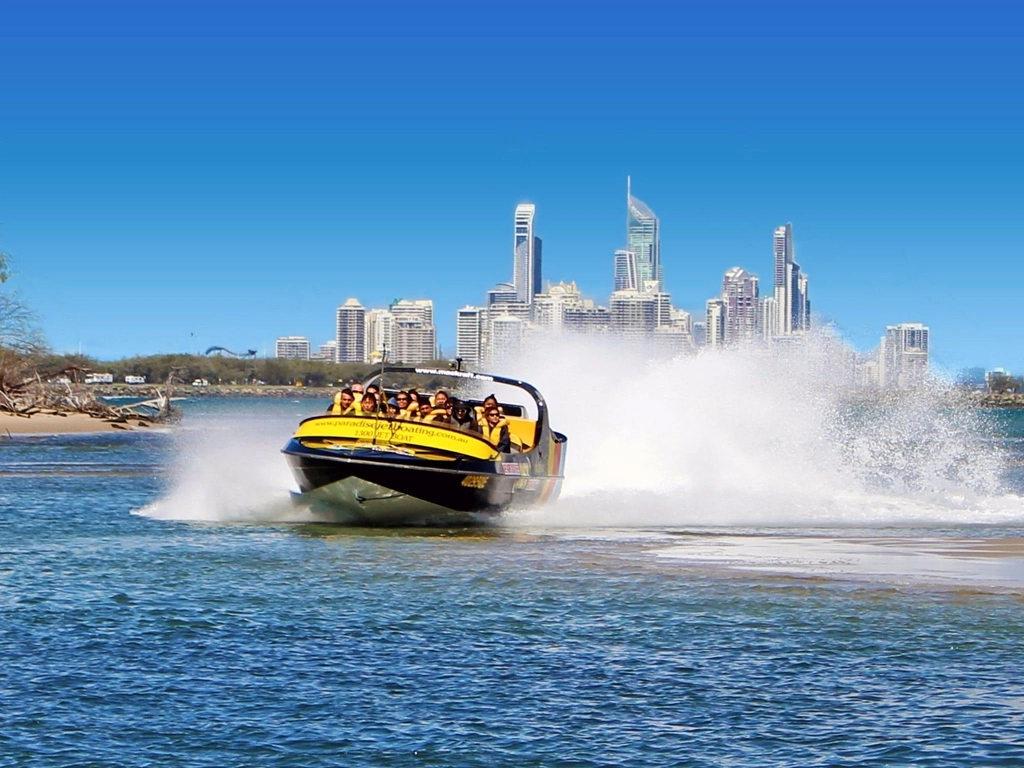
{"points": [[24, 391]]}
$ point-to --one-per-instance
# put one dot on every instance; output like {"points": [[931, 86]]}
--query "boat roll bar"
{"points": [[467, 376]]}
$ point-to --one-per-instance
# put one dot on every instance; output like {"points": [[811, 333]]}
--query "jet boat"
{"points": [[381, 470]]}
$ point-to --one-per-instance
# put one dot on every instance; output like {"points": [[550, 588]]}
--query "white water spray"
{"points": [[738, 438]]}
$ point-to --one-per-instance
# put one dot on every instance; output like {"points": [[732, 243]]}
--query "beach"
{"points": [[54, 424]]}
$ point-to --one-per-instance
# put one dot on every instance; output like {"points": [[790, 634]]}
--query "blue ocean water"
{"points": [[134, 636]]}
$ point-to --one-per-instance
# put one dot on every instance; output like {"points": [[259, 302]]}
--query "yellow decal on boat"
{"points": [[396, 432], [474, 481]]}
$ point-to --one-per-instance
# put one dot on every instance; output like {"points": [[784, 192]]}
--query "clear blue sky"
{"points": [[236, 170]]}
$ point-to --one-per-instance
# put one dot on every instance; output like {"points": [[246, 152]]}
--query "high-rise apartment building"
{"points": [[421, 310], [507, 334], [469, 326], [643, 238], [350, 332], [626, 278], [587, 318], [633, 313], [793, 305], [714, 330], [414, 342], [502, 293], [740, 294], [379, 333], [292, 348], [526, 269], [327, 352], [549, 307], [903, 355]]}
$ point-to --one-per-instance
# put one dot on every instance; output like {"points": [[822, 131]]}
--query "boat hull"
{"points": [[379, 488]]}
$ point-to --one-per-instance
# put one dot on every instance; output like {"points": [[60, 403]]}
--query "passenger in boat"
{"points": [[424, 411], [463, 418], [357, 391], [496, 430], [402, 398], [489, 402], [344, 403], [440, 399], [368, 405], [393, 410], [414, 403]]}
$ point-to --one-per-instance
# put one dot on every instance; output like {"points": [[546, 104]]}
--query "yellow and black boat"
{"points": [[383, 470]]}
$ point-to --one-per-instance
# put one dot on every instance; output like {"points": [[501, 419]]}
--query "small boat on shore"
{"points": [[385, 470]]}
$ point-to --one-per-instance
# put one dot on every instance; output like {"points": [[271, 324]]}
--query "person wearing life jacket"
{"points": [[439, 410], [497, 433], [344, 403], [368, 405], [402, 398], [357, 392], [489, 402], [394, 412], [463, 418], [424, 411], [414, 403]]}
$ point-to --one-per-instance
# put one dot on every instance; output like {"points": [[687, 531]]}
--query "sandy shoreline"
{"points": [[50, 424]]}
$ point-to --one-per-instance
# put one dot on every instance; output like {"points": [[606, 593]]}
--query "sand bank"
{"points": [[50, 424]]}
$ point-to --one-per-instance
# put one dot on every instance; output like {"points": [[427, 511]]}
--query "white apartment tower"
{"points": [[350, 333], [714, 331], [413, 336], [526, 250], [379, 334], [903, 356], [292, 348], [740, 294], [469, 336]]}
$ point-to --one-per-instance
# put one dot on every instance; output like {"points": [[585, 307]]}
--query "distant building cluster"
{"points": [[639, 308], [404, 332]]}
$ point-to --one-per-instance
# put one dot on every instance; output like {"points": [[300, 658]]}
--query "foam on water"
{"points": [[742, 437]]}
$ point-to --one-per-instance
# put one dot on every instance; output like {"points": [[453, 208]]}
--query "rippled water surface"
{"points": [[129, 639]]}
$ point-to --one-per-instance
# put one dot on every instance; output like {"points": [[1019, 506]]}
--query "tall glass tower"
{"points": [[643, 238], [526, 274]]}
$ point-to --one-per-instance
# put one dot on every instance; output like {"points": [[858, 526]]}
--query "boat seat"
{"points": [[524, 429]]}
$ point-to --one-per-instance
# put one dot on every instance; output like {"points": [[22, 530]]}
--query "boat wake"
{"points": [[752, 438]]}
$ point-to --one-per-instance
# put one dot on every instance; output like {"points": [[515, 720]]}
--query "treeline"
{"points": [[216, 370]]}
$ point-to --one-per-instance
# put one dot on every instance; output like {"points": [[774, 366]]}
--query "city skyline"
{"points": [[207, 178], [517, 314]]}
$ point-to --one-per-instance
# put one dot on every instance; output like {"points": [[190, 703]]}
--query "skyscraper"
{"points": [[633, 313], [468, 335], [643, 238], [526, 271], [714, 331], [625, 271], [350, 332], [379, 333], [414, 337], [740, 294], [793, 307], [903, 357]]}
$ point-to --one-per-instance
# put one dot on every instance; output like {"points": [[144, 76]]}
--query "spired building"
{"points": [[526, 269], [350, 333], [643, 239], [792, 306]]}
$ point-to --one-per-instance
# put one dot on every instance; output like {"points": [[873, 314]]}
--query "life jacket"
{"points": [[500, 433], [439, 414], [337, 410]]}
